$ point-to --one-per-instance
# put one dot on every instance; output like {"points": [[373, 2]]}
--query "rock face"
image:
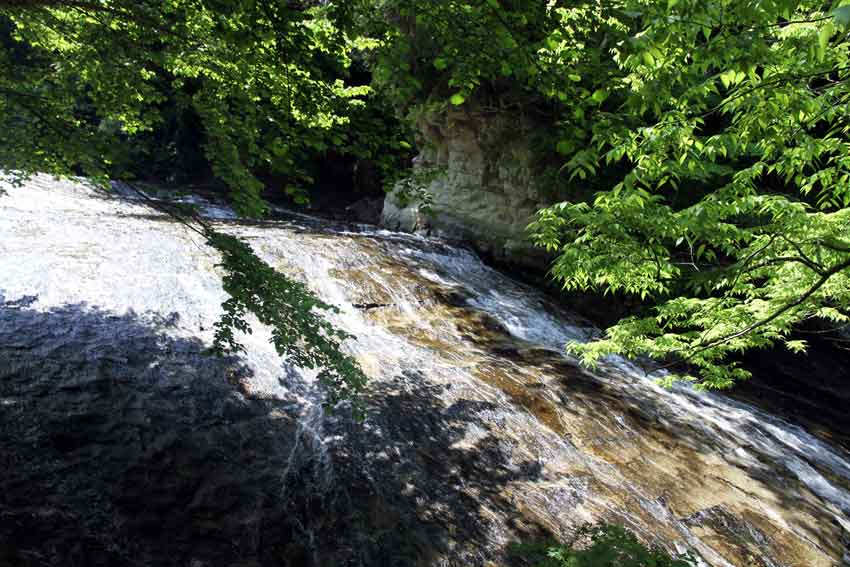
{"points": [[479, 171]]}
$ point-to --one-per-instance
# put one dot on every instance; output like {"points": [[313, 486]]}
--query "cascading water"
{"points": [[480, 431]]}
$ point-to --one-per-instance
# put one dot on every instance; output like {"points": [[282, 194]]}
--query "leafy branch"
{"points": [[300, 331]]}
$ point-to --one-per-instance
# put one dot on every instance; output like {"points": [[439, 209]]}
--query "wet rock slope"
{"points": [[122, 443]]}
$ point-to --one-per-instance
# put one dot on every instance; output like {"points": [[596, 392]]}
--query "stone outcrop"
{"points": [[482, 176]]}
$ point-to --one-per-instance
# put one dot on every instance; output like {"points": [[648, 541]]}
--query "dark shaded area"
{"points": [[411, 457], [812, 389], [346, 188], [124, 445]]}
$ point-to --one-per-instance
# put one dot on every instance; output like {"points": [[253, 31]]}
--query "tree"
{"points": [[731, 119], [264, 78], [707, 142], [78, 78]]}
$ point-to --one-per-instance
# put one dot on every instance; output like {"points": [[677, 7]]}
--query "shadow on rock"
{"points": [[123, 444], [430, 482]]}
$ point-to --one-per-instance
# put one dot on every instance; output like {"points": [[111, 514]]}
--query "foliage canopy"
{"points": [[731, 119], [264, 78], [709, 137]]}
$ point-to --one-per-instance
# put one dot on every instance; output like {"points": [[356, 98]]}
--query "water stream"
{"points": [[480, 430]]}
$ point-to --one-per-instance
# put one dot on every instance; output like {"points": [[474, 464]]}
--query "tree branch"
{"points": [[772, 317]]}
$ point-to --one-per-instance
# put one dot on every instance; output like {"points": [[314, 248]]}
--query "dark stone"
{"points": [[366, 210]]}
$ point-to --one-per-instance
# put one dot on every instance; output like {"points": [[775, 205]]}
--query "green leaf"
{"points": [[842, 15], [824, 35], [728, 77], [440, 63], [599, 96], [457, 99], [565, 147]]}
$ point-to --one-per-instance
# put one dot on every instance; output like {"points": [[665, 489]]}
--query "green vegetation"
{"points": [[707, 140], [288, 307], [601, 545], [731, 217], [258, 77], [710, 142]]}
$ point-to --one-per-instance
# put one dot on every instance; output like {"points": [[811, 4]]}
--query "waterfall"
{"points": [[480, 430]]}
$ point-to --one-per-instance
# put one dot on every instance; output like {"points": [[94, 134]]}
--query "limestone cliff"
{"points": [[484, 180]]}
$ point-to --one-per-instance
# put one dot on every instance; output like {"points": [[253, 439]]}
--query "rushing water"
{"points": [[480, 430]]}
